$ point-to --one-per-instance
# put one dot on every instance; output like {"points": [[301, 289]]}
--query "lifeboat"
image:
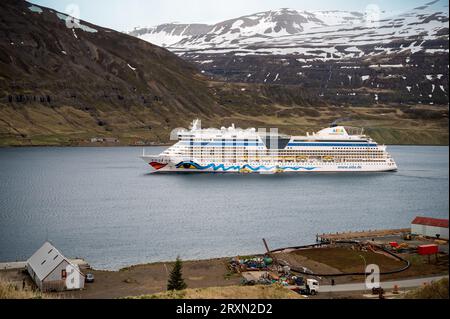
{"points": [[245, 170]]}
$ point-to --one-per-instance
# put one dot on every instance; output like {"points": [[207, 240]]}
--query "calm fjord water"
{"points": [[101, 204]]}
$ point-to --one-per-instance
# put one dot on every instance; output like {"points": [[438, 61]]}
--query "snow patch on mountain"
{"points": [[289, 31], [36, 9]]}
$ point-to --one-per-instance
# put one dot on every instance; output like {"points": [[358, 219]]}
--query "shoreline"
{"points": [[150, 279], [333, 258], [166, 145], [85, 146], [364, 235]]}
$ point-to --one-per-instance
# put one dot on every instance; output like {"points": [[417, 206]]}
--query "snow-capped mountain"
{"points": [[336, 52], [263, 24], [288, 31], [170, 33]]}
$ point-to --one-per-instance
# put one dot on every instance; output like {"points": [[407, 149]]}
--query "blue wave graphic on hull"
{"points": [[299, 168], [191, 165]]}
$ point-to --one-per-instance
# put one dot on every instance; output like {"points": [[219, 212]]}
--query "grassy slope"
{"points": [[233, 292], [436, 290], [68, 125], [11, 291]]}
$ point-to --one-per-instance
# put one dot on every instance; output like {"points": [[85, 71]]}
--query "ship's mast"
{"points": [[196, 125]]}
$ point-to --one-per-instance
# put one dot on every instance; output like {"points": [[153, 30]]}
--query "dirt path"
{"points": [[152, 278], [336, 260], [296, 259]]}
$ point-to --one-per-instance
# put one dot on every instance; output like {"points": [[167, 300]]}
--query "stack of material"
{"points": [[250, 264], [270, 278]]}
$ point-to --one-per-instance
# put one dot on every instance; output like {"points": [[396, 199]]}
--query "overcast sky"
{"points": [[124, 15]]}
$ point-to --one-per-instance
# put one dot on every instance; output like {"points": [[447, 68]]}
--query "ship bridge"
{"points": [[339, 133]]}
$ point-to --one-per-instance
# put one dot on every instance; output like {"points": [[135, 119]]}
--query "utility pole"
{"points": [[365, 265]]}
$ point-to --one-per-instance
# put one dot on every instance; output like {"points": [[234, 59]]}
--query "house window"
{"points": [[63, 274]]}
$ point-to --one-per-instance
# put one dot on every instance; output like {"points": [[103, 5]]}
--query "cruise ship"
{"points": [[235, 150]]}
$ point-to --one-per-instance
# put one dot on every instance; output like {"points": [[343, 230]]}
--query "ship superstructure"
{"points": [[234, 150]]}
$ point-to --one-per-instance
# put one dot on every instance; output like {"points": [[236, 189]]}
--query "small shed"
{"points": [[51, 271], [430, 227]]}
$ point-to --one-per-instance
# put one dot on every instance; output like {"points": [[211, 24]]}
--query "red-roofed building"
{"points": [[430, 227]]}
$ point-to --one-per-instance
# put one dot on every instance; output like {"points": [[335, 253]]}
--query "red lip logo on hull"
{"points": [[157, 165]]}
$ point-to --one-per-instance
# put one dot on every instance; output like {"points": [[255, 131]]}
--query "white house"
{"points": [[51, 271], [430, 227]]}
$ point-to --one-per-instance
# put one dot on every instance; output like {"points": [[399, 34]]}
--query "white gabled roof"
{"points": [[45, 260]]}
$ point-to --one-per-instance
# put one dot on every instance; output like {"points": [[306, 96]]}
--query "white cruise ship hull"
{"points": [[233, 150], [168, 166]]}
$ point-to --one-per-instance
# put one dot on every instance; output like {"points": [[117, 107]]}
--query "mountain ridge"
{"points": [[397, 59], [176, 32], [63, 85]]}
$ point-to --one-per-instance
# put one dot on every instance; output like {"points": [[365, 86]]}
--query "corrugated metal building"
{"points": [[430, 227], [51, 271]]}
